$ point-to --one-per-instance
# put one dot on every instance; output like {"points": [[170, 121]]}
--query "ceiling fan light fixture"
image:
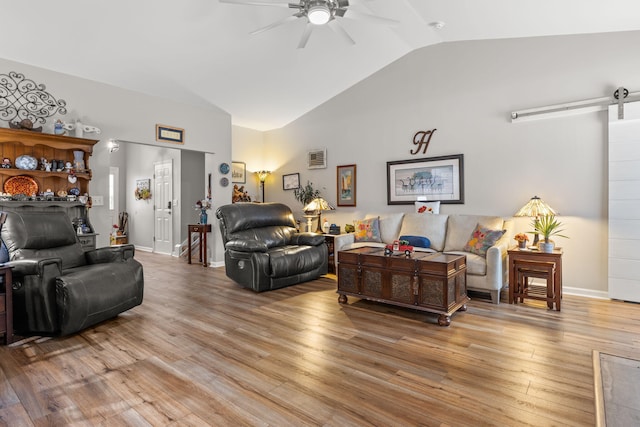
{"points": [[319, 12]]}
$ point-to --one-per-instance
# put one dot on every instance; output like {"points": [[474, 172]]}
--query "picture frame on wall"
{"points": [[346, 185], [291, 181], [428, 179], [238, 172], [170, 134]]}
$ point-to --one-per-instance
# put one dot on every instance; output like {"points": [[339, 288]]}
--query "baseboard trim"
{"points": [[144, 248], [589, 293], [216, 264]]}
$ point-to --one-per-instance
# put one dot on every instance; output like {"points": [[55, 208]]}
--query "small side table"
{"points": [[6, 304], [537, 263], [202, 230], [329, 239]]}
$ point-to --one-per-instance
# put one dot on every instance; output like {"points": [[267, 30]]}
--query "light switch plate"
{"points": [[97, 200]]}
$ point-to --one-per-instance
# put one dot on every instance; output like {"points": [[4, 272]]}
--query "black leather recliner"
{"points": [[59, 288], [263, 250]]}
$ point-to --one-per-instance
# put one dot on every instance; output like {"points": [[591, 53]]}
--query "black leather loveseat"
{"points": [[59, 288], [263, 250]]}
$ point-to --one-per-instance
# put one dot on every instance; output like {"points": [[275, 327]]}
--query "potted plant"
{"points": [[522, 240], [306, 194], [547, 226]]}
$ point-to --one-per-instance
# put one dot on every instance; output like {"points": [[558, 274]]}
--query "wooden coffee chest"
{"points": [[431, 282]]}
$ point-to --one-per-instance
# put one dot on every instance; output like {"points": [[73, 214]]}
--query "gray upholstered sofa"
{"points": [[448, 233], [263, 250], [58, 287]]}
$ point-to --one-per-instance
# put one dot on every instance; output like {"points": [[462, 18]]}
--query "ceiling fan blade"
{"points": [[305, 36], [338, 29], [368, 17], [276, 24], [255, 3]]}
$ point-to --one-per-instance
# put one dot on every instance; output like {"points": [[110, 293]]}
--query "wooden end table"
{"points": [[6, 304], [553, 291], [202, 230]]}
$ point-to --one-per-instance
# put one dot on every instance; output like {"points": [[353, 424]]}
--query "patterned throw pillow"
{"points": [[482, 239], [367, 230]]}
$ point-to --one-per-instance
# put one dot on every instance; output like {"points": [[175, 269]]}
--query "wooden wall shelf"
{"points": [[16, 142]]}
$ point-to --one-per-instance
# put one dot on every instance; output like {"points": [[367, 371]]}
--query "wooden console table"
{"points": [[6, 304], [432, 282], [202, 230]]}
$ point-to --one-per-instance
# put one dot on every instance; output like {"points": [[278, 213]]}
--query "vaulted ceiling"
{"points": [[201, 52]]}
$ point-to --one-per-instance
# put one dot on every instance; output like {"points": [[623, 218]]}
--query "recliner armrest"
{"points": [[246, 246], [110, 254], [26, 267], [307, 239]]}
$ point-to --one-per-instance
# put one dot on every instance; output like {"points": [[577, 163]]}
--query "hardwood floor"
{"points": [[201, 350]]}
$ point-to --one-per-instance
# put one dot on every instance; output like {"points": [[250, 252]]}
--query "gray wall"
{"points": [[467, 90], [192, 188]]}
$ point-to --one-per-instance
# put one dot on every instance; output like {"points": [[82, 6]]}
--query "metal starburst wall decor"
{"points": [[27, 101]]}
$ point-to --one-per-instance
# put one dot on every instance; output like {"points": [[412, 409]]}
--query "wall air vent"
{"points": [[317, 159]]}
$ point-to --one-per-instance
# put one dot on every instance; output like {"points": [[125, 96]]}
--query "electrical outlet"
{"points": [[97, 200]]}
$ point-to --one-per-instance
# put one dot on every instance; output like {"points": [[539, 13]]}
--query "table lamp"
{"points": [[318, 205], [535, 208]]}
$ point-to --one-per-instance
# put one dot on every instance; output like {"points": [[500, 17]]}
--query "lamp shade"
{"points": [[262, 175], [318, 204], [536, 207]]}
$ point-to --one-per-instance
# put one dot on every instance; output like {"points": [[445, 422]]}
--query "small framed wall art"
{"points": [[238, 172], [346, 180], [291, 181], [169, 134]]}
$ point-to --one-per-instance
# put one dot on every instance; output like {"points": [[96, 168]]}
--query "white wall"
{"points": [[132, 116], [467, 90], [248, 147]]}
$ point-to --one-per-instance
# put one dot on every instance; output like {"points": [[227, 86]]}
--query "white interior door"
{"points": [[624, 203], [163, 184]]}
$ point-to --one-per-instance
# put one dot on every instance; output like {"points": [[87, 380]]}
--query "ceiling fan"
{"points": [[317, 13]]}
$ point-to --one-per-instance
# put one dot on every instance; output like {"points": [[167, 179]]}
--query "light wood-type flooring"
{"points": [[201, 350]]}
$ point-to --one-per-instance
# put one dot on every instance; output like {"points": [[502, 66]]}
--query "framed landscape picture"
{"points": [[238, 172], [346, 181], [291, 181], [434, 178]]}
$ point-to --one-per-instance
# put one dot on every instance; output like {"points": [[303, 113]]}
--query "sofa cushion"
{"points": [[417, 241], [367, 230], [428, 207], [434, 227], [389, 226], [482, 239], [460, 227]]}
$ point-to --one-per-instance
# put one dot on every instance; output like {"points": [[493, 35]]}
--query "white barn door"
{"points": [[624, 203]]}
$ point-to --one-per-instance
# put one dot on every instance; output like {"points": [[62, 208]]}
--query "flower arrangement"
{"points": [[203, 205], [521, 237]]}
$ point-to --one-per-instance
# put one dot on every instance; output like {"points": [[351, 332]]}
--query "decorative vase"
{"points": [[522, 244], [78, 160], [547, 248], [203, 216]]}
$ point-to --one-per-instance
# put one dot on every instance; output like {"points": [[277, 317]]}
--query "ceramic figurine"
{"points": [[58, 127], [6, 163]]}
